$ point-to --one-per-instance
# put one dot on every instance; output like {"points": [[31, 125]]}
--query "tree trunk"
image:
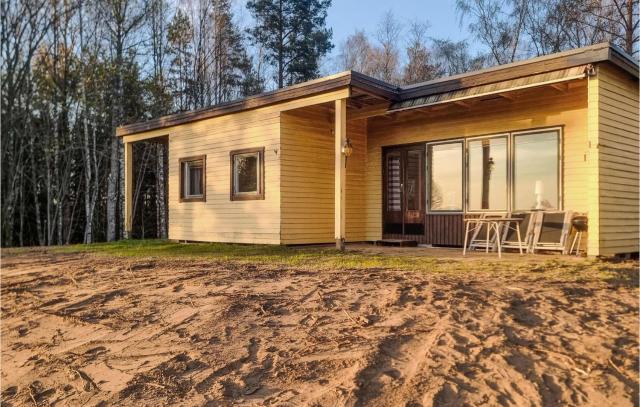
{"points": [[161, 203], [114, 195], [112, 188], [49, 190], [22, 208], [630, 28], [86, 148], [281, 49], [36, 198]]}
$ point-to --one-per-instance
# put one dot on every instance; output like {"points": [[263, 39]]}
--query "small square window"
{"points": [[247, 174], [192, 179]]}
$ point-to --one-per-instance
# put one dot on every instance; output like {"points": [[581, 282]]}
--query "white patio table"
{"points": [[496, 224]]}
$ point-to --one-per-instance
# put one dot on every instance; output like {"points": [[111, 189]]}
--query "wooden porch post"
{"points": [[128, 189], [340, 170]]}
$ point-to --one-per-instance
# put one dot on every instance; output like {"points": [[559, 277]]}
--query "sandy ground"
{"points": [[78, 329]]}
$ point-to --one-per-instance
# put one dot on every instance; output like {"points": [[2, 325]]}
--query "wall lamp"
{"points": [[347, 150]]}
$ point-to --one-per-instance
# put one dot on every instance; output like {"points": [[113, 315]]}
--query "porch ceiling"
{"points": [[542, 79]]}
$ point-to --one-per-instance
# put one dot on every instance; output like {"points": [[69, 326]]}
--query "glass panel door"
{"points": [[394, 183], [393, 192], [414, 187], [404, 190]]}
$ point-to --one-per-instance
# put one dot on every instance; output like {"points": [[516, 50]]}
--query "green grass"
{"points": [[324, 258], [313, 257]]}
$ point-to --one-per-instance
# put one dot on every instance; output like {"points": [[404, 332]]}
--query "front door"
{"points": [[404, 190]]}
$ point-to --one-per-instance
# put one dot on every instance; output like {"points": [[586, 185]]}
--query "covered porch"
{"points": [[376, 169]]}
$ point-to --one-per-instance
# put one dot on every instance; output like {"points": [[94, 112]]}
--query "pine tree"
{"points": [[231, 61], [293, 35], [179, 37]]}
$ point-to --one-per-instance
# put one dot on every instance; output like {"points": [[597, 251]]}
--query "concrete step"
{"points": [[397, 242]]}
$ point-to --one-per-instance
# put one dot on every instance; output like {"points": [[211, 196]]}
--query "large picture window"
{"points": [[507, 172], [247, 174], [487, 169], [445, 176], [192, 179], [536, 161]]}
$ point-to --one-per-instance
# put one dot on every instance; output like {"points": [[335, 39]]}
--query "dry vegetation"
{"points": [[218, 325]]}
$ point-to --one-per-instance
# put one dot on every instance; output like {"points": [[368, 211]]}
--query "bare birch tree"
{"points": [[420, 66], [121, 19]]}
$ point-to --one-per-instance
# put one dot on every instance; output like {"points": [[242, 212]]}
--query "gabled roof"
{"points": [[402, 95]]}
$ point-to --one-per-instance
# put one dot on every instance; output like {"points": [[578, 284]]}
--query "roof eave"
{"points": [[581, 56], [310, 88], [604, 52], [623, 60]]}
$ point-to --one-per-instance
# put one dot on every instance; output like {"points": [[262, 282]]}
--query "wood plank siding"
{"points": [[307, 177], [542, 107], [219, 219], [614, 133], [596, 109]]}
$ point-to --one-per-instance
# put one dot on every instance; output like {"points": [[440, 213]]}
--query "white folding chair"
{"points": [[552, 231]]}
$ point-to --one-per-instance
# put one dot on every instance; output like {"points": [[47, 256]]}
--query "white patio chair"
{"points": [[552, 231]]}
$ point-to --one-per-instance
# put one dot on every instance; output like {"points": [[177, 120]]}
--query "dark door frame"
{"points": [[403, 150]]}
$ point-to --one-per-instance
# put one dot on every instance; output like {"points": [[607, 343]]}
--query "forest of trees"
{"points": [[74, 70]]}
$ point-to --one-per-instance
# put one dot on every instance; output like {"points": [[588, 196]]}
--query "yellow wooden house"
{"points": [[351, 158]]}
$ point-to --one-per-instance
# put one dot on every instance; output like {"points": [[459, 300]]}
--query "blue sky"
{"points": [[347, 16]]}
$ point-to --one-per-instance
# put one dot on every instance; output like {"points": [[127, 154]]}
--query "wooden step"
{"points": [[397, 242]]}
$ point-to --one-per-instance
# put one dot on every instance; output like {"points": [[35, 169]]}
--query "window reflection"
{"points": [[445, 164], [192, 177], [245, 173], [487, 174], [535, 171]]}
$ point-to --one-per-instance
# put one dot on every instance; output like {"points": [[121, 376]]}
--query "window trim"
{"points": [[560, 175], [428, 209], [203, 197], [507, 136], [247, 196]]}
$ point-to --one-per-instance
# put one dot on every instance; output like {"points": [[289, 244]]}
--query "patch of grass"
{"points": [[308, 256], [319, 258]]}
